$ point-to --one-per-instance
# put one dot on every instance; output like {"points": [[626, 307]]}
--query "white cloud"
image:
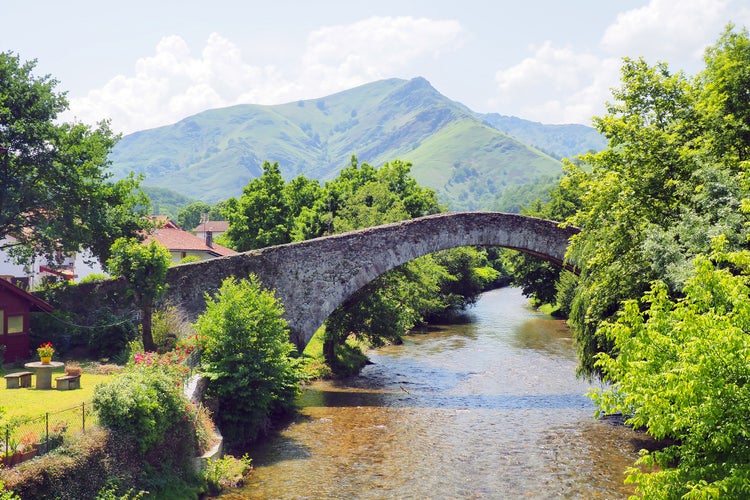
{"points": [[561, 85], [556, 85], [665, 30], [173, 83], [339, 57]]}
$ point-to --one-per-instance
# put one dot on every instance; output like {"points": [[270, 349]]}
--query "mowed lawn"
{"points": [[32, 402]]}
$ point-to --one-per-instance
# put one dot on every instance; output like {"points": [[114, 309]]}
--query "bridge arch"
{"points": [[313, 277]]}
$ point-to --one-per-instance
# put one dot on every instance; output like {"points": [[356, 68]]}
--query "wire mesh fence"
{"points": [[25, 438]]}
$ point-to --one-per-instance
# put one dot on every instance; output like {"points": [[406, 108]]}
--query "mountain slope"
{"points": [[463, 155]]}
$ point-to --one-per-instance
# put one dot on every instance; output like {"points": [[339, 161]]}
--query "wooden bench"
{"points": [[67, 382], [18, 379]]}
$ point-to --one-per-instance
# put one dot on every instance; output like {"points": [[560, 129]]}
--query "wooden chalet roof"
{"points": [[35, 303]]}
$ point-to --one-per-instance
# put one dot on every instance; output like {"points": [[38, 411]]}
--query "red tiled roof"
{"points": [[177, 240]]}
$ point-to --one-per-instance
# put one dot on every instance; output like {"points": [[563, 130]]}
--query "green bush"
{"points": [[226, 472], [681, 374], [94, 278], [141, 403], [7, 495], [169, 325], [246, 355]]}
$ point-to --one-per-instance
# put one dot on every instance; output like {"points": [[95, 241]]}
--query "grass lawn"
{"points": [[31, 402]]}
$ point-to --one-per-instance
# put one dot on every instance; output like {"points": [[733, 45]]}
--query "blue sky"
{"points": [[145, 64]]}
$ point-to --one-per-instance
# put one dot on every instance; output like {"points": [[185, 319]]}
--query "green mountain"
{"points": [[466, 157]]}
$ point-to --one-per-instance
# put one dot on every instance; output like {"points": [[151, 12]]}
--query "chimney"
{"points": [[209, 239]]}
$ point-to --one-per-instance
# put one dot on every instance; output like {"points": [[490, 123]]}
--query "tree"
{"points": [[636, 185], [262, 216], [537, 278], [144, 267], [681, 372], [55, 196], [190, 216], [245, 354], [676, 161]]}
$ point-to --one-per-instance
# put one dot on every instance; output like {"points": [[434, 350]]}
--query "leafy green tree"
{"points": [[246, 355], [144, 267], [262, 216], [538, 279], [675, 162], [723, 100], [190, 216], [55, 196], [635, 185], [681, 373]]}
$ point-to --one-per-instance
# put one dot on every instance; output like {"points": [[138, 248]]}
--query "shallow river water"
{"points": [[486, 409]]}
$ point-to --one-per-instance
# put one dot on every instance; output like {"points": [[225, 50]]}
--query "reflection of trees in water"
{"points": [[551, 336]]}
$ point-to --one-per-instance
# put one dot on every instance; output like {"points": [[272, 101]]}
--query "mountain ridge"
{"points": [[468, 158]]}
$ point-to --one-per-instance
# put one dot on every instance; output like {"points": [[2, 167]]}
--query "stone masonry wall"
{"points": [[313, 277]]}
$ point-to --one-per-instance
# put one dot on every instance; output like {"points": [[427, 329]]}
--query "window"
{"points": [[15, 324]]}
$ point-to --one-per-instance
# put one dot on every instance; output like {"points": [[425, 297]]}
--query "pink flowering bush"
{"points": [[147, 399]]}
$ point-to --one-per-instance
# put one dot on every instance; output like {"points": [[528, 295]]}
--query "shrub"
{"points": [[7, 495], [94, 278], [140, 403], [226, 472], [169, 325], [189, 258], [245, 354], [681, 373]]}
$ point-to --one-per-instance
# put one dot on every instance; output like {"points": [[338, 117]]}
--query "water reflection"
{"points": [[489, 409]]}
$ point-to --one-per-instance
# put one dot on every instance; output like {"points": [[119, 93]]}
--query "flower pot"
{"points": [[45, 359]]}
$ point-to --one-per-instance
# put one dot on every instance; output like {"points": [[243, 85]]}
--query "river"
{"points": [[486, 409]]}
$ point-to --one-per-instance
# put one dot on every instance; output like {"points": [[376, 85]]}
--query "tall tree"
{"points": [[190, 216], [262, 216], [144, 267], [634, 185], [55, 196]]}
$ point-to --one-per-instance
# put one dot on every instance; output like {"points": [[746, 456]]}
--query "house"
{"points": [[210, 229], [182, 244], [72, 267], [16, 305]]}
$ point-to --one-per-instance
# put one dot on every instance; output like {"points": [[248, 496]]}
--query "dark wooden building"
{"points": [[16, 305]]}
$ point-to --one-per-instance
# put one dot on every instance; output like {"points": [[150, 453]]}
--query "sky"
{"points": [[144, 64]]}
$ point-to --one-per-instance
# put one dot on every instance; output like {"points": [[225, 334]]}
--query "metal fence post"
{"points": [[7, 441], [83, 417], [46, 431]]}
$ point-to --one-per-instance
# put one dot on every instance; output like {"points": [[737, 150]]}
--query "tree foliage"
{"points": [[262, 216], [144, 267], [246, 355], [681, 372], [670, 180], [661, 309], [55, 196]]}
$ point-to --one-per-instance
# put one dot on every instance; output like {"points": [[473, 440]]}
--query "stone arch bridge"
{"points": [[313, 277]]}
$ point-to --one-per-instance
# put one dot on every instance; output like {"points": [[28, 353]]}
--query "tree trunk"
{"points": [[148, 338], [329, 351]]}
